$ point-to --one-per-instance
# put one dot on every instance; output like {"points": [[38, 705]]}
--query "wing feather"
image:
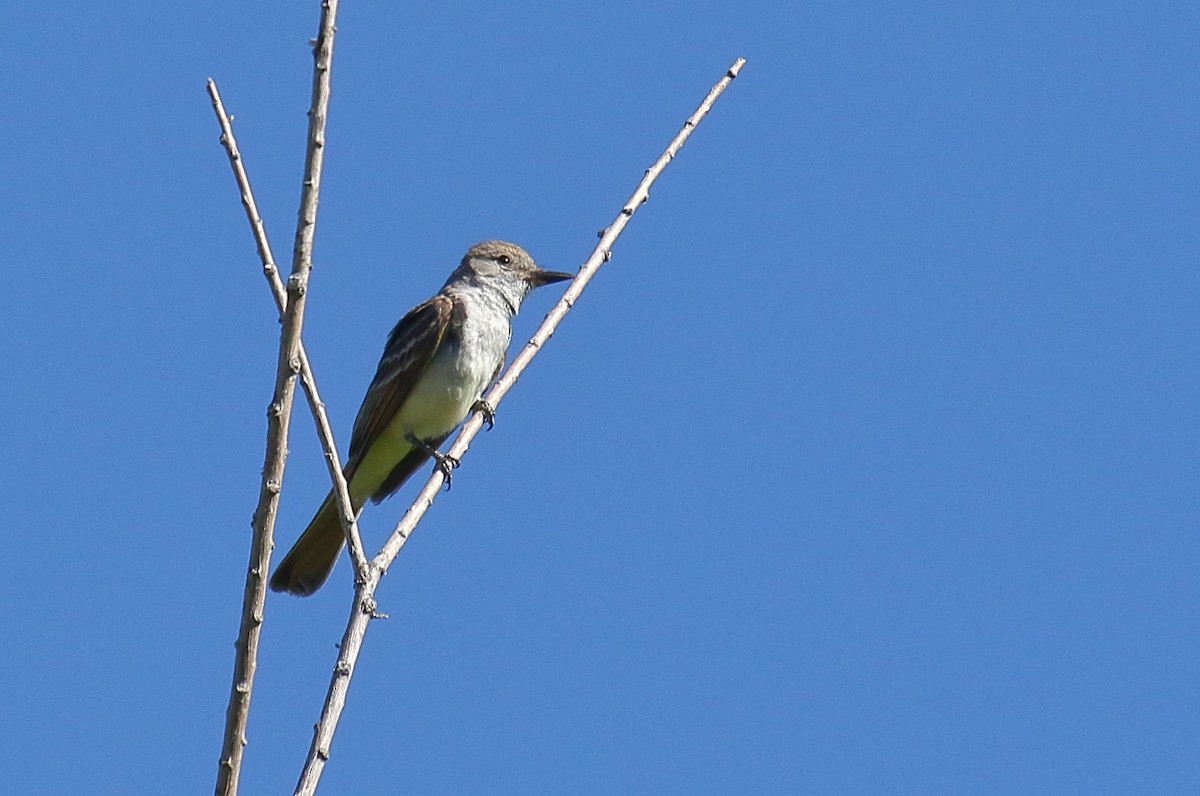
{"points": [[410, 347]]}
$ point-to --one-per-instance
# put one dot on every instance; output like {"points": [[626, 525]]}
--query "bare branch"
{"points": [[324, 430], [364, 606], [600, 255], [278, 419]]}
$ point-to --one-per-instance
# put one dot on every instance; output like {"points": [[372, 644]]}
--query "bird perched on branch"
{"points": [[438, 360]]}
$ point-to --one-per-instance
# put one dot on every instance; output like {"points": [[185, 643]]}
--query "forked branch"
{"points": [[271, 272]]}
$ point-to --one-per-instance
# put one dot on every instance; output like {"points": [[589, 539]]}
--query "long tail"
{"points": [[308, 564]]}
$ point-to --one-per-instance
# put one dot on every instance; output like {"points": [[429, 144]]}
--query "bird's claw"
{"points": [[489, 413], [446, 464]]}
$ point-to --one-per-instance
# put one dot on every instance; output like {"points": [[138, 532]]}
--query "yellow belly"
{"points": [[438, 403]]}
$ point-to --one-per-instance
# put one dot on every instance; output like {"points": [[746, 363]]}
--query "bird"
{"points": [[436, 364]]}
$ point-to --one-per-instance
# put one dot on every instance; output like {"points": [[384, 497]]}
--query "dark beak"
{"points": [[541, 277]]}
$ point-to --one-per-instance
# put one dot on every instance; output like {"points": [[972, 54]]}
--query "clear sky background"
{"points": [[869, 463]]}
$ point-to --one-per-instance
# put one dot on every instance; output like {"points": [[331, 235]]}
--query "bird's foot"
{"points": [[487, 410], [445, 462]]}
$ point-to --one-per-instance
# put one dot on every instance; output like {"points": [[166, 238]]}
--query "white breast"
{"points": [[461, 370]]}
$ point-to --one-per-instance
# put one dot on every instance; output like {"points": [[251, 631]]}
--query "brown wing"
{"points": [[409, 349]]}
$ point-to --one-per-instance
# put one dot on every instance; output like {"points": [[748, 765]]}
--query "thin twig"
{"points": [[324, 429], [278, 419], [363, 609], [600, 255]]}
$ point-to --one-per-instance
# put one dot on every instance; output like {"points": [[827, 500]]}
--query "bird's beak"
{"points": [[541, 277]]}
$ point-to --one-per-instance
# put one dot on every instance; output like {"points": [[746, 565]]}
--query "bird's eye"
{"points": [[504, 259]]}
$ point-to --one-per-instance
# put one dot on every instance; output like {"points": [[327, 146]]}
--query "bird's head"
{"points": [[506, 268]]}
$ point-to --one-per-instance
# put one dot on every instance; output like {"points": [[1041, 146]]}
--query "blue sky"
{"points": [[869, 463]]}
